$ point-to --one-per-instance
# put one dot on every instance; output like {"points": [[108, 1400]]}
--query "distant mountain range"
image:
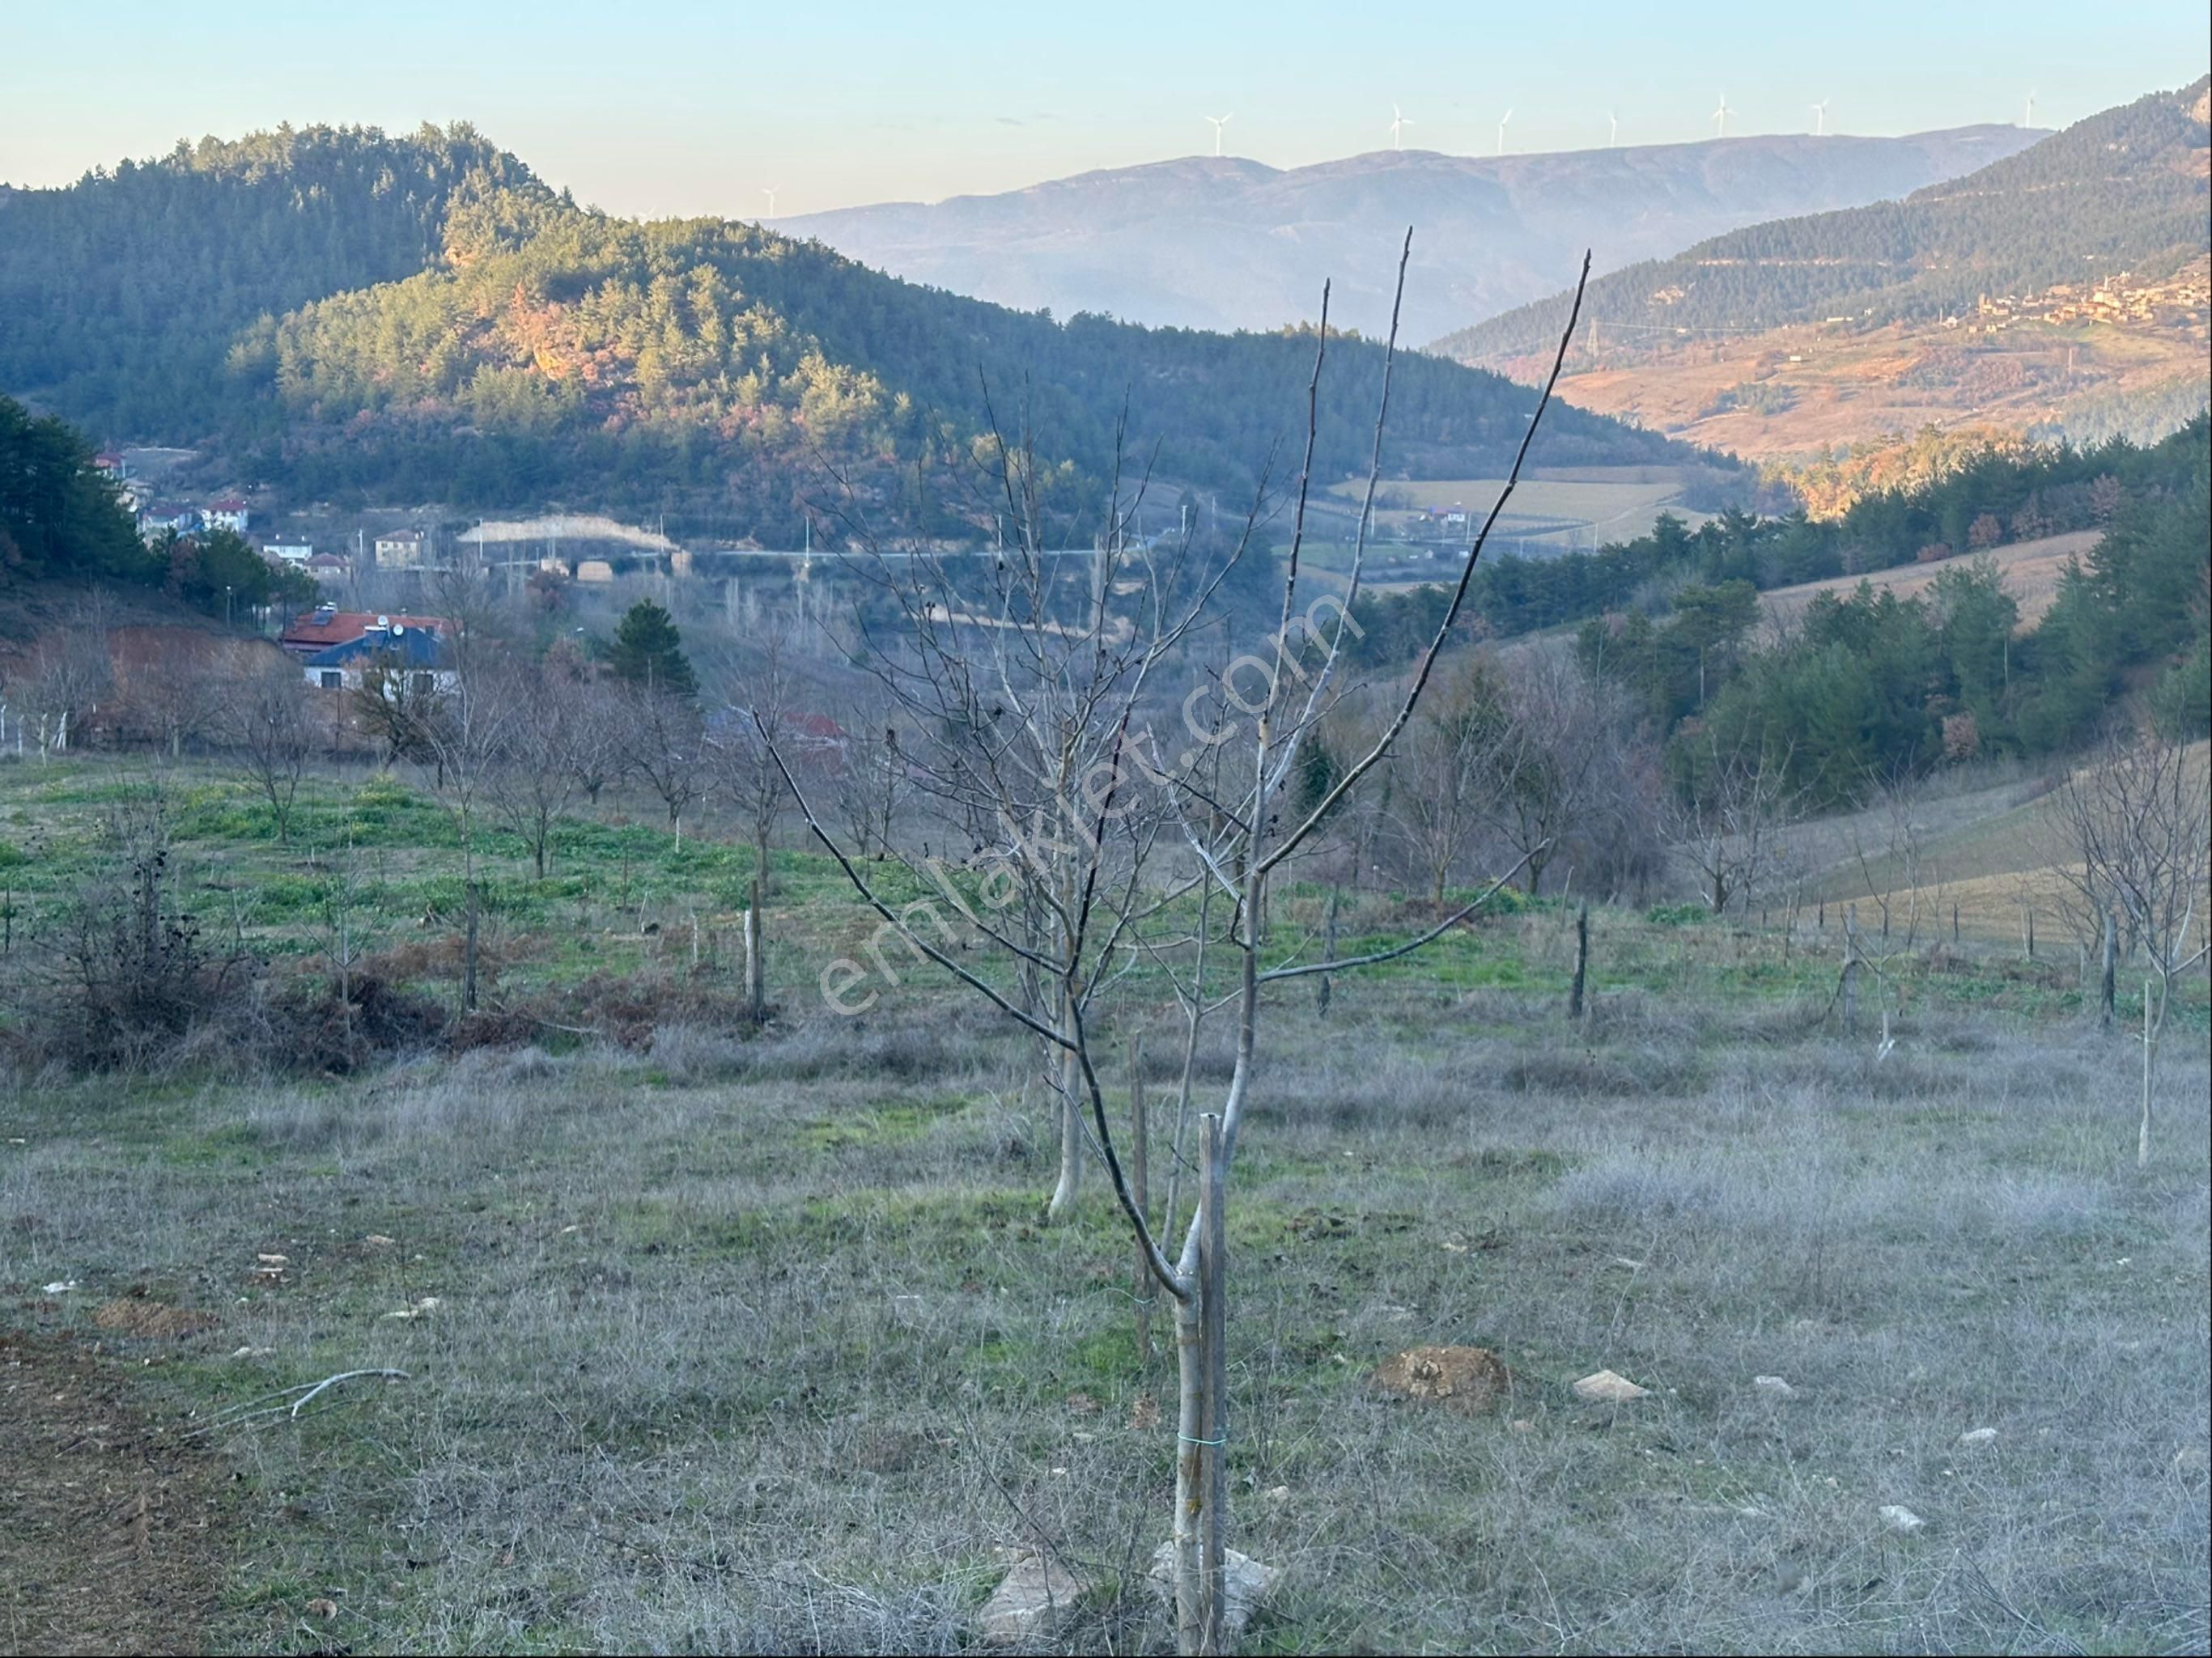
{"points": [[346, 315], [1223, 243], [2060, 291]]}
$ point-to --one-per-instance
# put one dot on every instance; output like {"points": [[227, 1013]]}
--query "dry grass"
{"points": [[2030, 571], [757, 1346]]}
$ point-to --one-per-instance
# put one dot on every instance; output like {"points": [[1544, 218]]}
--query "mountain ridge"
{"points": [[540, 351], [1231, 243]]}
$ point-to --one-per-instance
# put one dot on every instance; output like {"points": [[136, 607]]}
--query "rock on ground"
{"points": [[1245, 1584], [1468, 1380], [1606, 1388], [1037, 1596]]}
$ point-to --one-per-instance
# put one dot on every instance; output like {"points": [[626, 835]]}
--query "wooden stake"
{"points": [[1582, 961], [2111, 961]]}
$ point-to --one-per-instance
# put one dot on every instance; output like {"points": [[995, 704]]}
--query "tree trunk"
{"points": [[1852, 970], [1144, 1290], [1202, 1473], [756, 963], [1068, 1187], [2150, 1057], [469, 954]]}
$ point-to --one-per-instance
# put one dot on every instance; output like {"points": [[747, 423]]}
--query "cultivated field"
{"points": [[1600, 503], [727, 1340]]}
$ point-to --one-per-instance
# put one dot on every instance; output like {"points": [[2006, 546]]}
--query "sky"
{"points": [[691, 108]]}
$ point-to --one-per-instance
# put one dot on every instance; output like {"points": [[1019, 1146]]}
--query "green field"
{"points": [[753, 1340]]}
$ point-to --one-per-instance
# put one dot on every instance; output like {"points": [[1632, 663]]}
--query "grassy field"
{"points": [[2031, 570], [1988, 854], [1606, 504], [726, 1340]]}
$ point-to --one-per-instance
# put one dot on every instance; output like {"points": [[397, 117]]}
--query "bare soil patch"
{"points": [[1467, 1380], [111, 1540], [152, 1321]]}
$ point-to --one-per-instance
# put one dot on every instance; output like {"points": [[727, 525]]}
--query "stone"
{"points": [[1897, 1517], [1606, 1387], [1467, 1380], [1773, 1386], [1978, 1436], [1033, 1601], [1245, 1583]]}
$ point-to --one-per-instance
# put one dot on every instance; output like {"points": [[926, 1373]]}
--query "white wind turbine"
{"points": [[1612, 139], [1399, 121], [1502, 120], [769, 191], [1219, 122], [1720, 118], [1820, 118]]}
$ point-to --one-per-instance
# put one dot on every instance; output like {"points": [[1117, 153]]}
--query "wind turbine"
{"points": [[1502, 120], [1720, 118], [1219, 122], [769, 191], [1399, 121], [1612, 139], [1820, 118]]}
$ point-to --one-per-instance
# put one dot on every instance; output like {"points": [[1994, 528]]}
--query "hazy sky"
{"points": [[691, 108]]}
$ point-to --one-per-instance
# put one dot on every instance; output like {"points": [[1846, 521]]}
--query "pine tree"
{"points": [[649, 650]]}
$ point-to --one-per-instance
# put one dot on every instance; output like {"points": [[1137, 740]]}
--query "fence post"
{"points": [[1852, 970], [1582, 961], [2111, 967]]}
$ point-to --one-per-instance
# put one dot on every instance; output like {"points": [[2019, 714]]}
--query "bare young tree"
{"points": [[1547, 763], [762, 698], [469, 738], [1442, 771], [399, 709], [534, 779], [1038, 676], [69, 674], [2135, 837], [664, 740], [873, 784], [1726, 822], [264, 721]]}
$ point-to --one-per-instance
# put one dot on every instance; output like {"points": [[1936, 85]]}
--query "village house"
{"points": [[329, 568], [399, 549], [288, 552], [228, 513], [157, 518], [326, 626], [418, 653]]}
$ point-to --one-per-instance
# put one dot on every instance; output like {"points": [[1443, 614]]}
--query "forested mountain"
{"points": [[119, 295], [469, 335], [1227, 243], [2122, 190]]}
